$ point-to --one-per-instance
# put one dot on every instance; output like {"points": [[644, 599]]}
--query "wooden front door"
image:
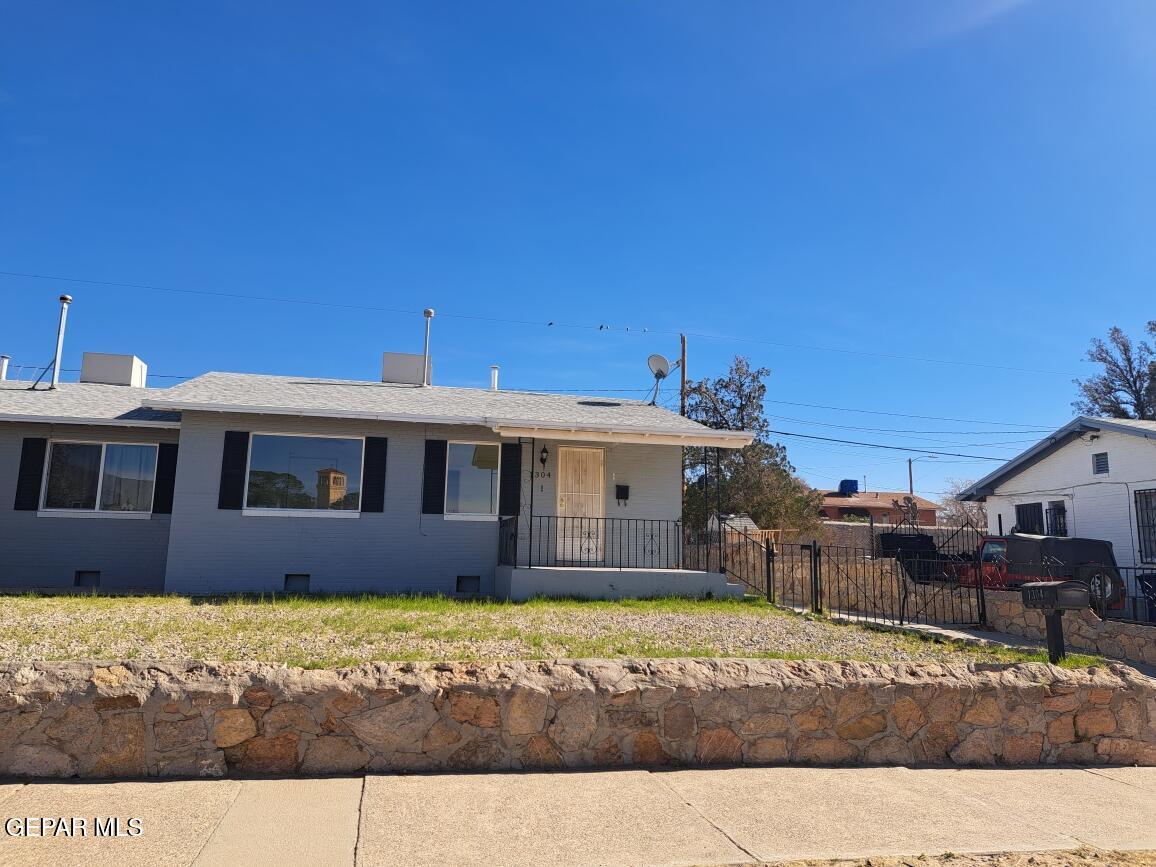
{"points": [[581, 505]]}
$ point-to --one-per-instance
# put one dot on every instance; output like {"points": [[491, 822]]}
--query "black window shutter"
{"points": [[233, 459], [510, 491], [166, 478], [30, 473], [373, 478], [433, 487]]}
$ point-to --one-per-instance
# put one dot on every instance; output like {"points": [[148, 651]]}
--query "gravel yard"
{"points": [[338, 631]]}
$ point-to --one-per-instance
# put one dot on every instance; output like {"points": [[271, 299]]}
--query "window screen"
{"points": [[108, 477]]}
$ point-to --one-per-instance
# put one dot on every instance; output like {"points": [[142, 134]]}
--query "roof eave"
{"points": [[81, 420]]}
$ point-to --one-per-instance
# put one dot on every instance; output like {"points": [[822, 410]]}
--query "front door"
{"points": [[581, 505]]}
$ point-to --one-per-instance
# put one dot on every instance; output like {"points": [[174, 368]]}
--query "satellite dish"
{"points": [[659, 366]]}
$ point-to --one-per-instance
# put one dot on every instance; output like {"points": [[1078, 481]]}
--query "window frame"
{"points": [[1146, 556], [472, 516], [46, 511], [1107, 464], [271, 512]]}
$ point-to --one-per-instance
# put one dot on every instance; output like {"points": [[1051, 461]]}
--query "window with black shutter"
{"points": [[1030, 518]]}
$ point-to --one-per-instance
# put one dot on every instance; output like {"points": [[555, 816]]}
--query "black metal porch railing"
{"points": [[622, 543]]}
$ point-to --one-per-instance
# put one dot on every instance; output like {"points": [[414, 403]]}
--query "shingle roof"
{"points": [[874, 499], [81, 403], [510, 410], [1049, 444]]}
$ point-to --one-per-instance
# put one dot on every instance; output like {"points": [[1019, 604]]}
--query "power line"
{"points": [[548, 324], [881, 446], [903, 414]]}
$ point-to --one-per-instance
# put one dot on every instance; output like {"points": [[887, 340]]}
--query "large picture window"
{"points": [[104, 477], [472, 479], [303, 472]]}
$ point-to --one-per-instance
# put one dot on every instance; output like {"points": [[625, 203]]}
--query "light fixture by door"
{"points": [[544, 456]]}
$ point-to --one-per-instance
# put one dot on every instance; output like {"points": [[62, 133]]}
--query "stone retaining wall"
{"points": [[1083, 630], [133, 719]]}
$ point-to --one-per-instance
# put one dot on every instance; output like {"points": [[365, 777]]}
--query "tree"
{"points": [[1126, 387], [268, 489], [955, 512], [758, 479]]}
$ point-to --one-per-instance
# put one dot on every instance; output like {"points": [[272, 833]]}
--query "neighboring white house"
{"points": [[1094, 478]]}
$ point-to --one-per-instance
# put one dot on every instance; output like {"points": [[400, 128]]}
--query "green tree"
{"points": [[272, 490], [758, 479], [1126, 385]]}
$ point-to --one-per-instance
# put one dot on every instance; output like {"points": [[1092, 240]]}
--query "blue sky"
{"points": [[960, 181]]}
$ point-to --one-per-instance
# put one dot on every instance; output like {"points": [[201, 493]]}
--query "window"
{"points": [[1146, 524], [1057, 516], [1030, 518], [472, 479], [1100, 463], [994, 552], [105, 477], [304, 472]]}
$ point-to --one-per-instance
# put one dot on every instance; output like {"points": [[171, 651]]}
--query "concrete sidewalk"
{"points": [[626, 817]]}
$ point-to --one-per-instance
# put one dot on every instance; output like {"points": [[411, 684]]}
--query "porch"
{"points": [[607, 558]]}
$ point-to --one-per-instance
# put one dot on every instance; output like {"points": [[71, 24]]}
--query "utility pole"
{"points": [[682, 375], [910, 478]]}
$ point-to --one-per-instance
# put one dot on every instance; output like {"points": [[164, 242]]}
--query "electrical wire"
{"points": [[553, 323], [882, 446]]}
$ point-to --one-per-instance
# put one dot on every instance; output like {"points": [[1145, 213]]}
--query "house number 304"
{"points": [[542, 474]]}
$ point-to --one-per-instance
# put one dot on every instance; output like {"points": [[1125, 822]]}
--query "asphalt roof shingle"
{"points": [[81, 403]]}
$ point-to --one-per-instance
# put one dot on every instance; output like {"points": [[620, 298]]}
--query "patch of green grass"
{"points": [[329, 631]]}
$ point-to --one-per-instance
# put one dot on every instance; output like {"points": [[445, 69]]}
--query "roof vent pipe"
{"points": [[4, 359], [493, 377], [428, 313], [65, 300]]}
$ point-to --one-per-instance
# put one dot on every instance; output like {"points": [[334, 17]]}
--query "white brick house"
{"points": [[1094, 478]]}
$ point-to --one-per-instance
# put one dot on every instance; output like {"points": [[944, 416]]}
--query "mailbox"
{"points": [[1054, 598], [1056, 595]]}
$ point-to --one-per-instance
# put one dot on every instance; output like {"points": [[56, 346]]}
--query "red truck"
{"points": [[1007, 562]]}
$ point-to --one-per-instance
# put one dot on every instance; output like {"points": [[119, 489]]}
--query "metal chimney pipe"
{"points": [[4, 359], [428, 313], [65, 300], [493, 377]]}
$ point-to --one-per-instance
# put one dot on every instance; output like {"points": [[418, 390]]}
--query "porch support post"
{"points": [[533, 484]]}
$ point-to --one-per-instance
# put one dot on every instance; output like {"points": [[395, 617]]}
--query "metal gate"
{"points": [[912, 577]]}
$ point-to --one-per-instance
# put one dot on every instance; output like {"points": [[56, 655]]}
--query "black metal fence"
{"points": [[616, 543]]}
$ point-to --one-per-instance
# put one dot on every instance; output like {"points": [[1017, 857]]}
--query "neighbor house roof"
{"points": [[81, 403], [873, 500], [1077, 427], [510, 413]]}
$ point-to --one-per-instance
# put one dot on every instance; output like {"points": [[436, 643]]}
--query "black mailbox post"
{"points": [[1054, 598]]}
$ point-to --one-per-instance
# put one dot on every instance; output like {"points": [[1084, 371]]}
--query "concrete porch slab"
{"points": [[601, 582]]}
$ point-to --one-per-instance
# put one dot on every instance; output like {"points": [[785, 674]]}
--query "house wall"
{"points": [[45, 552], [1098, 506], [399, 550]]}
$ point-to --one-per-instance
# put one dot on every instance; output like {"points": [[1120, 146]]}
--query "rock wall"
{"points": [[1083, 630], [133, 719]]}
